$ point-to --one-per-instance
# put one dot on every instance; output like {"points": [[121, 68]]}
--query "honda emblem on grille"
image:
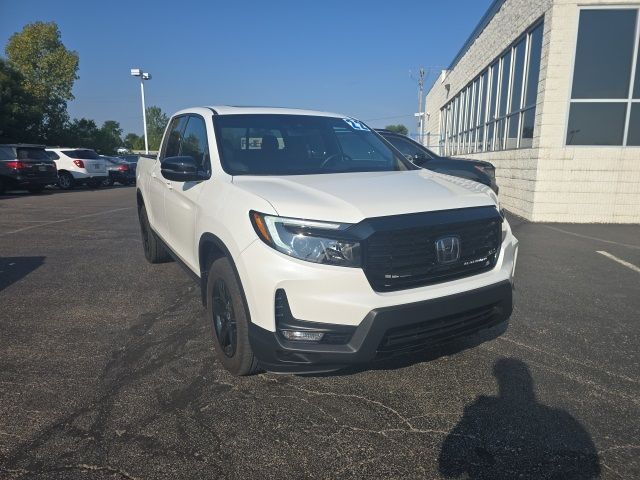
{"points": [[448, 250]]}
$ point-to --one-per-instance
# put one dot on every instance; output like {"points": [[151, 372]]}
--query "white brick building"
{"points": [[562, 122]]}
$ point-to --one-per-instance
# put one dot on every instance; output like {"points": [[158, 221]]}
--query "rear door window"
{"points": [[27, 153], [82, 154], [6, 153]]}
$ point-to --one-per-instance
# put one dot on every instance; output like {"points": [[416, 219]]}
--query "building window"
{"points": [[499, 105], [605, 94]]}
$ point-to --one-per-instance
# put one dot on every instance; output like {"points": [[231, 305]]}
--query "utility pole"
{"points": [[420, 115]]}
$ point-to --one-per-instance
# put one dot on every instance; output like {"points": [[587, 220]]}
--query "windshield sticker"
{"points": [[356, 125]]}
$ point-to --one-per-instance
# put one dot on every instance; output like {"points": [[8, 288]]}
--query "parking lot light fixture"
{"points": [[137, 72]]}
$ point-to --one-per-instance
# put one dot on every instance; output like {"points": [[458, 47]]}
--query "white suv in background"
{"points": [[78, 166], [319, 245]]}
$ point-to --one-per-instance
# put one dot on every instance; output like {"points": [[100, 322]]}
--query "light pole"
{"points": [[137, 72]]}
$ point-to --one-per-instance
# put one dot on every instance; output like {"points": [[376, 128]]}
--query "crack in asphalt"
{"points": [[19, 472], [128, 365], [410, 428]]}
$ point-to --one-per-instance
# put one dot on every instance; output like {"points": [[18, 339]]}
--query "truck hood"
{"points": [[352, 197]]}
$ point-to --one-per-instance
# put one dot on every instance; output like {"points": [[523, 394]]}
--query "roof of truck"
{"points": [[240, 110]]}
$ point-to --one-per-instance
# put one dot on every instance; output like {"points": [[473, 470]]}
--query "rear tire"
{"points": [[108, 182], [65, 181], [154, 250], [94, 183], [230, 320]]}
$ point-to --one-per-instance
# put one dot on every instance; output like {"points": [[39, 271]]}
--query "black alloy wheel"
{"points": [[224, 318]]}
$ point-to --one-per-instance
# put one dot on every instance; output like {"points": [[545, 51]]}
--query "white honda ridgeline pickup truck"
{"points": [[316, 244]]}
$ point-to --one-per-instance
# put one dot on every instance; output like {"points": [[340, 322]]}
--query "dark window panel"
{"points": [[473, 105], [528, 124], [533, 76], [483, 98], [499, 143], [504, 92], [596, 123], [490, 129], [512, 131], [518, 74], [604, 53], [494, 90], [636, 87], [634, 126]]}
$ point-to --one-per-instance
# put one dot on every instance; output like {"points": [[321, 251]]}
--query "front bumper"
{"points": [[384, 332], [339, 295]]}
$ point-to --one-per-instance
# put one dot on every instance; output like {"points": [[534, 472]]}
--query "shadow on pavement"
{"points": [[513, 436], [13, 269]]}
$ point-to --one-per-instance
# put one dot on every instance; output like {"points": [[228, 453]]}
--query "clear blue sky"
{"points": [[348, 56]]}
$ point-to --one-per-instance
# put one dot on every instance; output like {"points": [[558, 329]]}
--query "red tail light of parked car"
{"points": [[79, 163], [15, 164], [123, 168]]}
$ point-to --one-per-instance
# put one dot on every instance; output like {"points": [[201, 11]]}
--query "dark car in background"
{"points": [[132, 161], [476, 170], [24, 166], [119, 170]]}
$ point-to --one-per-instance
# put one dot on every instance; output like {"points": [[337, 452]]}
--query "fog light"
{"points": [[302, 336]]}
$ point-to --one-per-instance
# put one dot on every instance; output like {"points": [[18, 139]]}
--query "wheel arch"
{"points": [[211, 248]]}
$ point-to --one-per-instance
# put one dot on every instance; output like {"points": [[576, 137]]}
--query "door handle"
{"points": [[153, 175], [169, 185]]}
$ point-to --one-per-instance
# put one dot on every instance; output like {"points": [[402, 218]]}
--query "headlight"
{"points": [[312, 241]]}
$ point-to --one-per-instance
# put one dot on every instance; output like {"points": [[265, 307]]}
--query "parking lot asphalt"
{"points": [[107, 371]]}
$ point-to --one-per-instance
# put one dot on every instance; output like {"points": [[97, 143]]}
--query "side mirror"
{"points": [[180, 169]]}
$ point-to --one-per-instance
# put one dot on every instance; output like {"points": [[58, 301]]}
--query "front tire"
{"points": [[154, 250], [65, 181], [230, 320]]}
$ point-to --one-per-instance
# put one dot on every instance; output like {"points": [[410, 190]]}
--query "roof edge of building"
{"points": [[484, 21]]}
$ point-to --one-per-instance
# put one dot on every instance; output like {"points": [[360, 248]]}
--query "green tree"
{"points": [[156, 123], [109, 138], [20, 116], [133, 141], [48, 71], [80, 133], [401, 129]]}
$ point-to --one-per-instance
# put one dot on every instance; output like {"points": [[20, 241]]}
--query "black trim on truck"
{"points": [[385, 332]]}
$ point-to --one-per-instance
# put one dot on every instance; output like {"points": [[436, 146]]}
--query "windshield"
{"points": [[301, 145]]}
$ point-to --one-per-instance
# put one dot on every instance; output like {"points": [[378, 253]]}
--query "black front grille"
{"points": [[404, 258], [413, 338]]}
